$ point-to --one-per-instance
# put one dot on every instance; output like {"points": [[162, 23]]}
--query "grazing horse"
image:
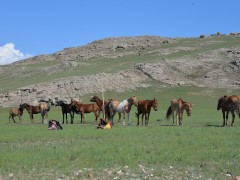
{"points": [[66, 108], [144, 107], [179, 106], [122, 107], [86, 108], [104, 110], [15, 112], [33, 110], [229, 104]]}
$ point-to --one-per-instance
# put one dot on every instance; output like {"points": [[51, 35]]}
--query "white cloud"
{"points": [[8, 54]]}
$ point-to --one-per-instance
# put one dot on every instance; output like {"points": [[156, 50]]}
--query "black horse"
{"points": [[66, 108]]}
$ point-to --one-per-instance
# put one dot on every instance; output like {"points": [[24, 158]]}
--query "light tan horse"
{"points": [[122, 107], [179, 106], [15, 112], [44, 108]]}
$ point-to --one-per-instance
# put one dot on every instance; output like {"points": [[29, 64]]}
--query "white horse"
{"points": [[122, 107]]}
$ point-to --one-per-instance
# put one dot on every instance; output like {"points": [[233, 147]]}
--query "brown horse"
{"points": [[122, 107], [144, 107], [86, 108], [229, 104], [15, 112], [179, 106], [104, 110], [33, 110]]}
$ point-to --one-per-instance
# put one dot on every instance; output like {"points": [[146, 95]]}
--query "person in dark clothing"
{"points": [[54, 125]]}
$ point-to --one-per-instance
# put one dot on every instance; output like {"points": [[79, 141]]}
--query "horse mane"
{"points": [[182, 100]]}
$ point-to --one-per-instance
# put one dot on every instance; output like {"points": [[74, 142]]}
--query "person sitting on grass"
{"points": [[104, 124], [54, 125]]}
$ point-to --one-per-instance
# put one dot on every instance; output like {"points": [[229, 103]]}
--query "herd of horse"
{"points": [[111, 107]]}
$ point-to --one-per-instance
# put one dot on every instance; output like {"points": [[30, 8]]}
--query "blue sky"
{"points": [[34, 27]]}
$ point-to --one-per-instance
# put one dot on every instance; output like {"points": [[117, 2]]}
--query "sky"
{"points": [[34, 27]]}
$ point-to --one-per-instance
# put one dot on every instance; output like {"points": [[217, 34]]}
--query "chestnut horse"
{"points": [[66, 108], [229, 104], [86, 108], [104, 110], [15, 112], [144, 107], [34, 110], [122, 107], [179, 106]]}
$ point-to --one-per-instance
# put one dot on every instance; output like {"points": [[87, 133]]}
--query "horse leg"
{"points": [[180, 118], [173, 117], [128, 118], [119, 117], [124, 119], [96, 116], [20, 118], [63, 117], [224, 122], [72, 116], [233, 118], [145, 117], [142, 118], [82, 117], [138, 118], [66, 118], [148, 114], [31, 118], [13, 119]]}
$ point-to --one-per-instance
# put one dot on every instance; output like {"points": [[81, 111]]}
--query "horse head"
{"points": [[24, 105], [94, 98], [189, 109], [133, 100], [221, 101], [155, 104]]}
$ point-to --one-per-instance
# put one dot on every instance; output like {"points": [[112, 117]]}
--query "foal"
{"points": [[179, 106], [15, 112]]}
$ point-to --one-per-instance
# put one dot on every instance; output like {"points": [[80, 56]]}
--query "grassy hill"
{"points": [[204, 62]]}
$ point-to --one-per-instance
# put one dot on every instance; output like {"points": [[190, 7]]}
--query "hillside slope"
{"points": [[123, 64]]}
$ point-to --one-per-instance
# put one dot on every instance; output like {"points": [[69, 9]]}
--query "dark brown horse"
{"points": [[66, 108], [228, 104], [179, 106], [34, 110], [15, 112], [144, 107], [86, 108]]}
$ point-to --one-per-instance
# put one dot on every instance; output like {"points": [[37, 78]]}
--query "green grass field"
{"points": [[200, 149]]}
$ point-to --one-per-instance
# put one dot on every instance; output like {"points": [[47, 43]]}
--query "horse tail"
{"points": [[107, 110], [137, 114], [169, 112], [238, 108]]}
